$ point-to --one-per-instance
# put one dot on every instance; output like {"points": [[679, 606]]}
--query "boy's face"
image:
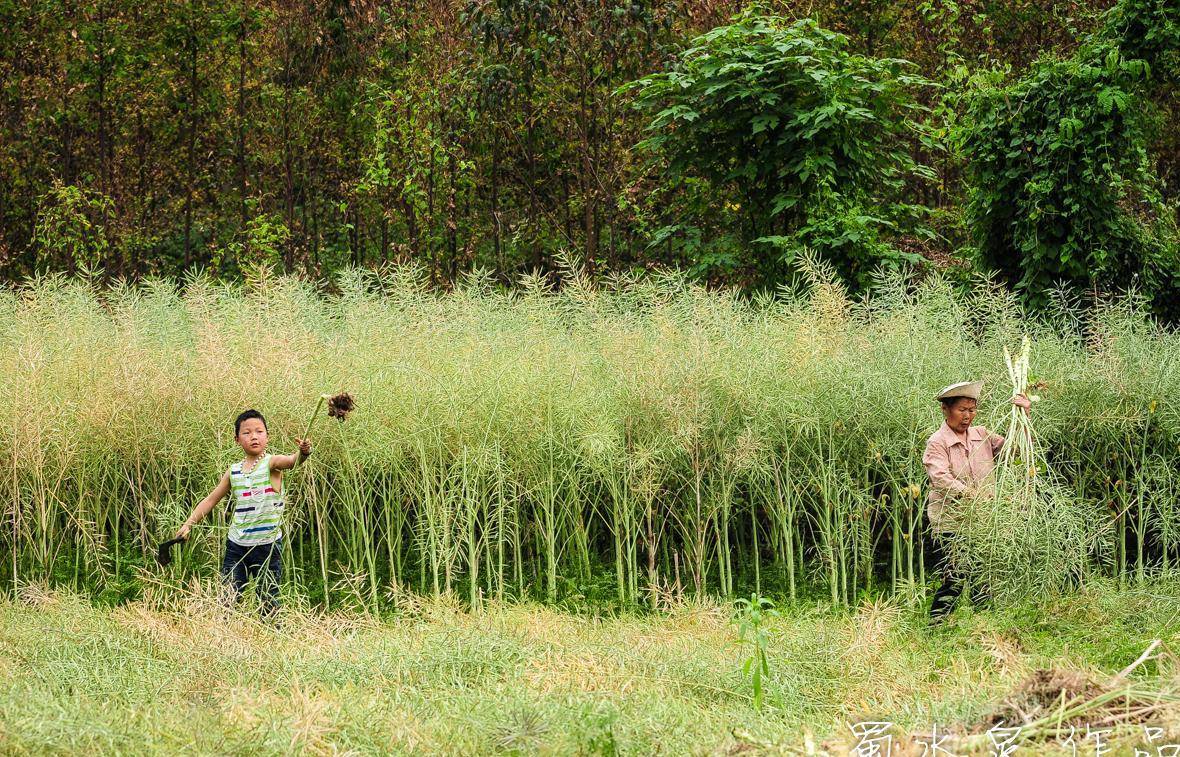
{"points": [[252, 436]]}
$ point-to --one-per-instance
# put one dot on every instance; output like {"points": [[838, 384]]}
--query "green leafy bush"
{"points": [[71, 230], [806, 135], [1061, 186], [1148, 30]]}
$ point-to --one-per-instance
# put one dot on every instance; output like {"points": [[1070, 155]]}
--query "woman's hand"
{"points": [[182, 533], [1021, 401], [304, 448]]}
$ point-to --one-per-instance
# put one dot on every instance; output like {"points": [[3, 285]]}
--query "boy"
{"points": [[254, 543]]}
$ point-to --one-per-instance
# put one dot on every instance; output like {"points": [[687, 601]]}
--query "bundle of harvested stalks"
{"points": [[1022, 536]]}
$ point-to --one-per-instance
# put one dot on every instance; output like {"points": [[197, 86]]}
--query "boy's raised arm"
{"points": [[220, 492], [286, 462]]}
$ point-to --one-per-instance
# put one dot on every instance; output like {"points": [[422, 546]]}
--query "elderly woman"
{"points": [[959, 459]]}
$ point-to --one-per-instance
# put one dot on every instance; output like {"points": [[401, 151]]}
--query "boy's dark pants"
{"points": [[262, 562]]}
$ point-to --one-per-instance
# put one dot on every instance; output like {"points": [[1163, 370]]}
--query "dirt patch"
{"points": [[1052, 706], [1055, 703], [1041, 694]]}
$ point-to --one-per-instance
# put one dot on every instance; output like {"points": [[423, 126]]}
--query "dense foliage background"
{"points": [[1037, 139]]}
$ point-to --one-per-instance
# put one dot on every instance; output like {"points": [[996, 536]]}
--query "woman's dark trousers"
{"points": [[951, 588]]}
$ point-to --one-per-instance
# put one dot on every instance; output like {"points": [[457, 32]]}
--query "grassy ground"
{"points": [[183, 675]]}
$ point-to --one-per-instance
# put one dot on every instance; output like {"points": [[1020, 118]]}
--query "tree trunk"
{"points": [[190, 177], [499, 253], [241, 146]]}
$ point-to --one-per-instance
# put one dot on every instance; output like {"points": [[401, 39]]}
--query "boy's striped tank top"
{"points": [[258, 508]]}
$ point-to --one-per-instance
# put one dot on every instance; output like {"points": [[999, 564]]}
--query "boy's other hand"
{"points": [[304, 447], [182, 533]]}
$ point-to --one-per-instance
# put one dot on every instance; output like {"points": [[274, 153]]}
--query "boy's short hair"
{"points": [[244, 416]]}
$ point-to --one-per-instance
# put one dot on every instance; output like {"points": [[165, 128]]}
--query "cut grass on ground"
{"points": [[194, 678]]}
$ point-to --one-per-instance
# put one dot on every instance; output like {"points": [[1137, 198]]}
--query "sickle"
{"points": [[164, 554]]}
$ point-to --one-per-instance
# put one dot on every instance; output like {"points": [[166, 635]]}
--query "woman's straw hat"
{"points": [[962, 389]]}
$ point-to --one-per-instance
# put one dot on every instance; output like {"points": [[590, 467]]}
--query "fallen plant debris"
{"points": [[1051, 708], [1063, 706], [1054, 704]]}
